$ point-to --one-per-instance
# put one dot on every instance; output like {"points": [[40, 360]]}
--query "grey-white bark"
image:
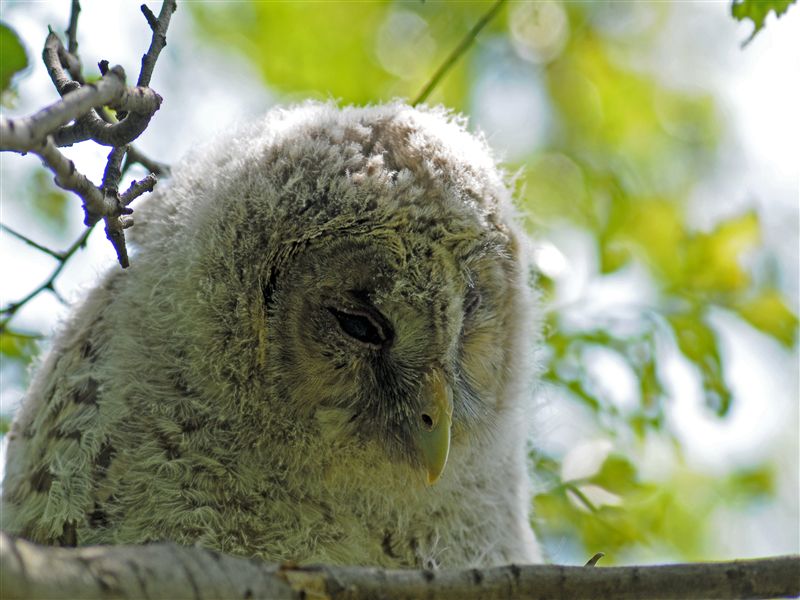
{"points": [[168, 571]]}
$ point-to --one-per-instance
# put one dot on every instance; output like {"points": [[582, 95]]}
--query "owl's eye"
{"points": [[362, 327]]}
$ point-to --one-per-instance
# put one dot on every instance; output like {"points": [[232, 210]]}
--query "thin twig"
{"points": [[158, 41], [69, 57], [51, 56], [136, 156], [72, 30], [113, 170], [457, 52], [137, 188], [30, 242], [10, 310], [69, 178]]}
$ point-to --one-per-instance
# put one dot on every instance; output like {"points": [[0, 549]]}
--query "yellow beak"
{"points": [[435, 418]]}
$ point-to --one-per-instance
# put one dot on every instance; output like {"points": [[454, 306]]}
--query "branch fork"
{"points": [[80, 116]]}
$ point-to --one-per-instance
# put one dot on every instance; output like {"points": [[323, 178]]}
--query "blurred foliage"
{"points": [[622, 154], [612, 510], [17, 346], [356, 52], [12, 57], [17, 350], [758, 10]]}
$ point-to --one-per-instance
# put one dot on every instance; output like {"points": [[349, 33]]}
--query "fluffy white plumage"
{"points": [[305, 295]]}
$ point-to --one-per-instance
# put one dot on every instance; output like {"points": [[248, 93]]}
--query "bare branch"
{"points": [[138, 188], [151, 18], [72, 30], [113, 170], [27, 133], [457, 52], [80, 116], [51, 55], [115, 234], [137, 100], [69, 178], [158, 41], [174, 571], [92, 127]]}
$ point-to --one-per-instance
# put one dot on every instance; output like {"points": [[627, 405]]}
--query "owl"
{"points": [[324, 351]]}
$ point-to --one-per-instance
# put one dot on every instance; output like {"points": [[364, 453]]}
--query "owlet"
{"points": [[323, 351]]}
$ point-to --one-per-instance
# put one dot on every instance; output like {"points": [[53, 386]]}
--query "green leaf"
{"points": [[12, 56], [757, 11], [617, 475], [5, 424], [698, 343], [713, 261], [17, 346], [750, 485], [768, 312]]}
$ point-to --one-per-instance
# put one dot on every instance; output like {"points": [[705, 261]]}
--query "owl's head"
{"points": [[367, 268]]}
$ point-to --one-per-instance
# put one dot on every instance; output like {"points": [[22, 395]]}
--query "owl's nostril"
{"points": [[427, 421]]}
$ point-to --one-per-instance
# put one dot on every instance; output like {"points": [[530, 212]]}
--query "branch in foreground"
{"points": [[161, 571], [25, 134], [42, 132]]}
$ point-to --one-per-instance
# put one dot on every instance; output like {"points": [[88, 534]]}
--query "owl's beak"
{"points": [[435, 418]]}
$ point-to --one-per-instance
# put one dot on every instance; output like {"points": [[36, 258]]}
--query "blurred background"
{"points": [[656, 162]]}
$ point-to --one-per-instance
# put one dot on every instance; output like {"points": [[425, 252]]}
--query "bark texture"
{"points": [[168, 571]]}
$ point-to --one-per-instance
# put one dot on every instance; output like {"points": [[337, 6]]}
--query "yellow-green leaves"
{"points": [[16, 346], [12, 56], [769, 313], [615, 510], [16, 351], [698, 342], [757, 11], [714, 261]]}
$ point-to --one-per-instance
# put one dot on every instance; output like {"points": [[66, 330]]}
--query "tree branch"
{"points": [[72, 29], [159, 40], [170, 571], [137, 188], [83, 105], [26, 133]]}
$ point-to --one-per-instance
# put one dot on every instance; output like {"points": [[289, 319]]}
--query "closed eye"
{"points": [[362, 327]]}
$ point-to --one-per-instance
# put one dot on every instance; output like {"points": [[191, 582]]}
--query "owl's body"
{"points": [[260, 380]]}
